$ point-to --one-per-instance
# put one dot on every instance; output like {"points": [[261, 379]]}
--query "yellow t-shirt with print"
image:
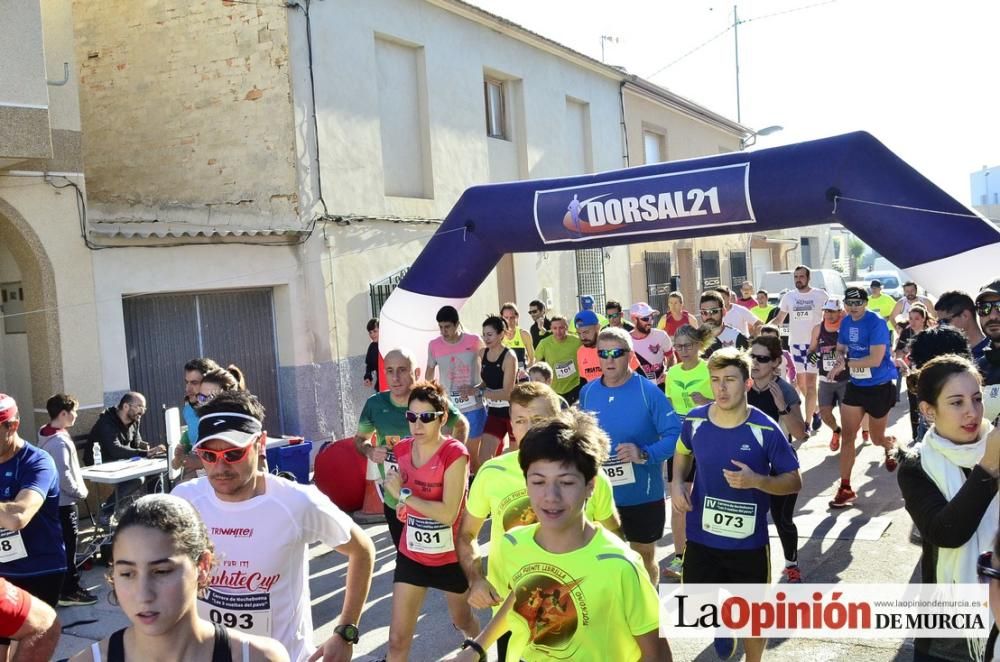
{"points": [[500, 490], [681, 384], [585, 605]]}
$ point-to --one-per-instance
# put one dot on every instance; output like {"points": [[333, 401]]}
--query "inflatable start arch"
{"points": [[852, 179]]}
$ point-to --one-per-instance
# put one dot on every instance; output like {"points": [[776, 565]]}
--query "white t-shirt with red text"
{"points": [[260, 581]]}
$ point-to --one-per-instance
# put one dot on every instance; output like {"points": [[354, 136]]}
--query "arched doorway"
{"points": [[40, 318]]}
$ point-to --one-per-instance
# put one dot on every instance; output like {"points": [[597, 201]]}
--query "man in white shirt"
{"points": [[803, 308], [261, 526], [651, 346], [737, 316]]}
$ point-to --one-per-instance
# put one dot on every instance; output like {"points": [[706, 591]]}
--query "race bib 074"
{"points": [[250, 613]]}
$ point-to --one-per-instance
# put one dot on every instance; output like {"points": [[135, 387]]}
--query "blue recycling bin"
{"points": [[292, 458]]}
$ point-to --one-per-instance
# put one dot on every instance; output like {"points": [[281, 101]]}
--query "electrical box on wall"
{"points": [[12, 307]]}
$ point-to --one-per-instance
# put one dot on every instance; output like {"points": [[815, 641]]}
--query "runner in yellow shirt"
{"points": [[576, 591], [499, 490]]}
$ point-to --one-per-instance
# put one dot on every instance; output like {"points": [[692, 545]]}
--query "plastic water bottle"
{"points": [[97, 454]]}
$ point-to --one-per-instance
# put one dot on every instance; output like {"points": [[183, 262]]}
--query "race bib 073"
{"points": [[730, 519]]}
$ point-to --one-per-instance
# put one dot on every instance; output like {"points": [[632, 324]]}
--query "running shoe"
{"points": [[817, 422], [674, 568], [725, 647], [835, 442], [79, 597], [890, 460], [792, 575], [845, 497]]}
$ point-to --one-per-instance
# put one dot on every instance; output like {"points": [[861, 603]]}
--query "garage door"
{"points": [[165, 331]]}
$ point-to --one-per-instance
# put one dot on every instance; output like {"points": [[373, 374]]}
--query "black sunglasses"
{"points": [[761, 358], [984, 566], [711, 311], [854, 302], [986, 307], [423, 416]]}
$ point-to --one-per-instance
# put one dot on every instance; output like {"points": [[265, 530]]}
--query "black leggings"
{"points": [[782, 509]]}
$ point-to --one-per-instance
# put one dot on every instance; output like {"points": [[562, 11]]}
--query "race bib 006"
{"points": [[250, 613], [730, 519]]}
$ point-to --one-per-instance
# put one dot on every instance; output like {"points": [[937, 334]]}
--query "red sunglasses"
{"points": [[229, 457]]}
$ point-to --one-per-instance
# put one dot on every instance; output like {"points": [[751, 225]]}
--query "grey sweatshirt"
{"points": [[59, 444]]}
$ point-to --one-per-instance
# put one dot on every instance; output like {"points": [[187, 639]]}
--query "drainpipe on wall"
{"points": [[621, 106]]}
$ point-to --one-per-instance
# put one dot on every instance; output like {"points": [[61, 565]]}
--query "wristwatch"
{"points": [[404, 494], [349, 632], [643, 455]]}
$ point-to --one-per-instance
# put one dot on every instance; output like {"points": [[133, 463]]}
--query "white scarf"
{"points": [[943, 462]]}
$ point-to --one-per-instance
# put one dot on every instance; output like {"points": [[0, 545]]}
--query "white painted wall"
{"points": [[565, 120]]}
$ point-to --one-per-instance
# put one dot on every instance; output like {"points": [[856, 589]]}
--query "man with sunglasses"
{"points": [[652, 347], [956, 308], [384, 415], [261, 526], [863, 352], [801, 307], [613, 310], [712, 309], [643, 428], [587, 327], [540, 324], [988, 310]]}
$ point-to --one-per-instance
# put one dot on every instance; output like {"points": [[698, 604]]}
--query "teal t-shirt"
{"points": [[388, 421]]}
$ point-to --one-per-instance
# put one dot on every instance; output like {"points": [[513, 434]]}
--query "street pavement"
{"points": [[890, 559]]}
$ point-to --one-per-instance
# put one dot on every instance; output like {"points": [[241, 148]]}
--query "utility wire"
{"points": [[731, 26]]}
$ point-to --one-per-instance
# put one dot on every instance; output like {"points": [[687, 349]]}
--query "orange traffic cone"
{"points": [[372, 510]]}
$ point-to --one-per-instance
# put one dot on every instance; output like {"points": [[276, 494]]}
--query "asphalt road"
{"points": [[890, 559]]}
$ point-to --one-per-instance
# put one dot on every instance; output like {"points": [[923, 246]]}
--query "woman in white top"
{"points": [[162, 559]]}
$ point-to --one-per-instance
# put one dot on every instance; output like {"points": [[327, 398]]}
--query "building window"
{"points": [[590, 275], [737, 269], [654, 146], [379, 291], [710, 274], [658, 279], [496, 108], [808, 245]]}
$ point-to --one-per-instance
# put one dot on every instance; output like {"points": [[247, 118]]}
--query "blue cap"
{"points": [[586, 318], [587, 302]]}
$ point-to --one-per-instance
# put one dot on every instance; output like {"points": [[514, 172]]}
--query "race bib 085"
{"points": [[619, 472]]}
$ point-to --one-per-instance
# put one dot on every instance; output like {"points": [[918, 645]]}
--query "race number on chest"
{"points": [[11, 546], [250, 613], [730, 519], [428, 536], [619, 472]]}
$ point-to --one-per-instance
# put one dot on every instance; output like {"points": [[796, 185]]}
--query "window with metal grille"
{"points": [[379, 291], [590, 276], [710, 274], [737, 269], [657, 278]]}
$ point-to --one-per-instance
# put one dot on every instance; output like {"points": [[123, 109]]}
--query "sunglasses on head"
{"points": [[984, 566], [761, 358], [229, 457], [710, 311], [986, 307], [423, 416], [615, 353]]}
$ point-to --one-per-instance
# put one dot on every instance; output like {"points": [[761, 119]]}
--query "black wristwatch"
{"points": [[348, 632], [474, 645]]}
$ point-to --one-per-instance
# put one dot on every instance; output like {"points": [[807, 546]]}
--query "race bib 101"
{"points": [[565, 369]]}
